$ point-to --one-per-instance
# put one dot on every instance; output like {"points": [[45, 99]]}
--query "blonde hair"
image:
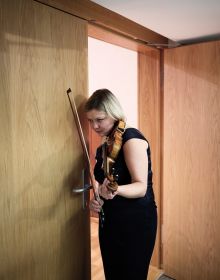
{"points": [[104, 100]]}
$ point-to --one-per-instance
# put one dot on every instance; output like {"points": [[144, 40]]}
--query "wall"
{"points": [[114, 68]]}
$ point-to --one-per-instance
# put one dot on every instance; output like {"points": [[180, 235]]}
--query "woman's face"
{"points": [[100, 122]]}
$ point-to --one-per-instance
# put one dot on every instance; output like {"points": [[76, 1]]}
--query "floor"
{"points": [[97, 268]]}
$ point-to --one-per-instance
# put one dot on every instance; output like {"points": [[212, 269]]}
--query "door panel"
{"points": [[44, 230], [191, 162], [149, 114]]}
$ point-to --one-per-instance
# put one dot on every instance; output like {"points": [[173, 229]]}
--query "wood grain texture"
{"points": [[44, 232], [192, 162], [117, 39], [149, 112], [96, 265], [101, 16]]}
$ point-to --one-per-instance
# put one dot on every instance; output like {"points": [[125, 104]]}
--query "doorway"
{"points": [[115, 68]]}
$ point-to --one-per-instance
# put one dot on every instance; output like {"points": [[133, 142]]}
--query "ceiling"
{"points": [[182, 21]]}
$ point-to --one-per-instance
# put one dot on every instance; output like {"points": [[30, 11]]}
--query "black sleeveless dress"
{"points": [[128, 235]]}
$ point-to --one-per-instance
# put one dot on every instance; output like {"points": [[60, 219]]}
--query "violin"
{"points": [[111, 150]]}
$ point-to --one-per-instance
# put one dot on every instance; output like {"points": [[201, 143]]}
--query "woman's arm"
{"points": [[135, 153]]}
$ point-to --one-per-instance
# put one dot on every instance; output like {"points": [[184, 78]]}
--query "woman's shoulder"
{"points": [[131, 133]]}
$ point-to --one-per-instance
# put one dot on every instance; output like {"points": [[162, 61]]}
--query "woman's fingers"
{"points": [[95, 205], [106, 182], [104, 191], [101, 202]]}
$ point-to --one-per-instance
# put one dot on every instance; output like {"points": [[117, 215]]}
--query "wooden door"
{"points": [[191, 230], [149, 114], [44, 229]]}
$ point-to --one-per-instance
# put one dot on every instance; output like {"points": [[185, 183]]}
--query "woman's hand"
{"points": [[105, 192], [95, 205]]}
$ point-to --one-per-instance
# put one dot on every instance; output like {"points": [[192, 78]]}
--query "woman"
{"points": [[128, 234]]}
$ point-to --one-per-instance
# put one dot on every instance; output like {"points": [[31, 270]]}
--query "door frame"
{"points": [[149, 92]]}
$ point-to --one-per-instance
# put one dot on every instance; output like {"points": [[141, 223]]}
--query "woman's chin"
{"points": [[101, 134]]}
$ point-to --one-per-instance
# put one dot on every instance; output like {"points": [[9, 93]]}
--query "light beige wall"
{"points": [[114, 68], [44, 232], [191, 180]]}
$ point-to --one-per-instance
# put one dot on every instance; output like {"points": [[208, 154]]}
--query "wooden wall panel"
{"points": [[117, 39], [192, 162], [44, 231], [100, 16], [149, 114]]}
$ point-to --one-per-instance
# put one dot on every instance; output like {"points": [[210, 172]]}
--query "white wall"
{"points": [[114, 68]]}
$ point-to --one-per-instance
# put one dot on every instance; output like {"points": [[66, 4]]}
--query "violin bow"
{"points": [[85, 150]]}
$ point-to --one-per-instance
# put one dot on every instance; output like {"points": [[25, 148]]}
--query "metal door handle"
{"points": [[82, 189]]}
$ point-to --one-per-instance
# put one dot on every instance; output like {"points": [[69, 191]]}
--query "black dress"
{"points": [[128, 235]]}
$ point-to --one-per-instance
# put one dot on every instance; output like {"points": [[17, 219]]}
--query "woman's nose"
{"points": [[95, 125]]}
